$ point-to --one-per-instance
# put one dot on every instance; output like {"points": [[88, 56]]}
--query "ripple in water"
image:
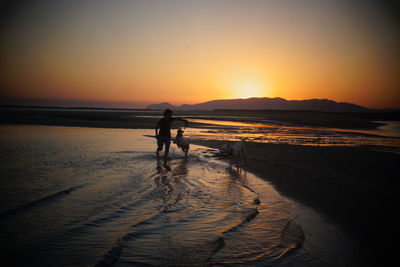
{"points": [[100, 197]]}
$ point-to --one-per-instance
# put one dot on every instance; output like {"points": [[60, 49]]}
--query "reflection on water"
{"points": [[385, 137], [390, 128], [225, 128], [76, 196], [228, 123]]}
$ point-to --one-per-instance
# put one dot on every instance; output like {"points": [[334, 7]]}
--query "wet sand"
{"points": [[353, 187]]}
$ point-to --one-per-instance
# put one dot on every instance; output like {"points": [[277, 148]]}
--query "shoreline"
{"points": [[114, 118], [353, 187]]}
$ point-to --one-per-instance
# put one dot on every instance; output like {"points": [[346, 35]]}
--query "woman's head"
{"points": [[167, 113]]}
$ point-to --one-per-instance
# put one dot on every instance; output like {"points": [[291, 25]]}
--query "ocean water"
{"points": [[84, 196]]}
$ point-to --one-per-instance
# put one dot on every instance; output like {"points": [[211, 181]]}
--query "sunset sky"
{"points": [[126, 53]]}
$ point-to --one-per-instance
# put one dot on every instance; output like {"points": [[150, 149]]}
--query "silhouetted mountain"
{"points": [[266, 103], [162, 106]]}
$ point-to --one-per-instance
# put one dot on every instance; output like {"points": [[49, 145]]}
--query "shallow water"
{"points": [[227, 128], [385, 137], [83, 196]]}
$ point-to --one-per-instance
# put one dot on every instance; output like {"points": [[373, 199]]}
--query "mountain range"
{"points": [[266, 103]]}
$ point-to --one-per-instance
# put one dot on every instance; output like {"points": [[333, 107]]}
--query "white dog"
{"points": [[182, 142], [236, 152]]}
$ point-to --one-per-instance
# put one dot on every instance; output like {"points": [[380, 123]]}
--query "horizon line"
{"points": [[102, 104]]}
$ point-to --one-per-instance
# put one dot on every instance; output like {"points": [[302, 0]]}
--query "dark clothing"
{"points": [[165, 126], [161, 140]]}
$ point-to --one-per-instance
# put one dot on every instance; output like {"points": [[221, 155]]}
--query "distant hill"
{"points": [[162, 106], [264, 103]]}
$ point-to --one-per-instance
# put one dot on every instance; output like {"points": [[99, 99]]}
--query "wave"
{"points": [[111, 257], [113, 209], [292, 237], [127, 251], [247, 217], [101, 216], [38, 202], [293, 233], [191, 255], [115, 252], [198, 255]]}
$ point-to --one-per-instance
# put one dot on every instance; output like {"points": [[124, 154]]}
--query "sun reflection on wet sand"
{"points": [[293, 135]]}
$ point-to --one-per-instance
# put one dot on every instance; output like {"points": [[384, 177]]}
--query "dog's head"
{"points": [[180, 131]]}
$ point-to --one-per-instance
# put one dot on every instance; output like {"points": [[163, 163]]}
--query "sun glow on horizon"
{"points": [[248, 89], [249, 92], [245, 80]]}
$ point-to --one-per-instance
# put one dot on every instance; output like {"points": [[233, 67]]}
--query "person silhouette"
{"points": [[163, 132]]}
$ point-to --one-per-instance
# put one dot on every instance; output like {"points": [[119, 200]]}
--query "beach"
{"points": [[100, 197], [352, 187], [123, 126]]}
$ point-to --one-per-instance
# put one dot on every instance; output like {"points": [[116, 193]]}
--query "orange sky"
{"points": [[144, 52]]}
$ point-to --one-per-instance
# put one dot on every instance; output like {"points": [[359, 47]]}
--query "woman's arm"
{"points": [[180, 119], [157, 127]]}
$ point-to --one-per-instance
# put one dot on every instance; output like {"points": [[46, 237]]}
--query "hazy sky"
{"points": [[140, 52]]}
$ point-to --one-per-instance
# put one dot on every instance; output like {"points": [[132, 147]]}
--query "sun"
{"points": [[249, 89], [245, 82], [248, 92]]}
